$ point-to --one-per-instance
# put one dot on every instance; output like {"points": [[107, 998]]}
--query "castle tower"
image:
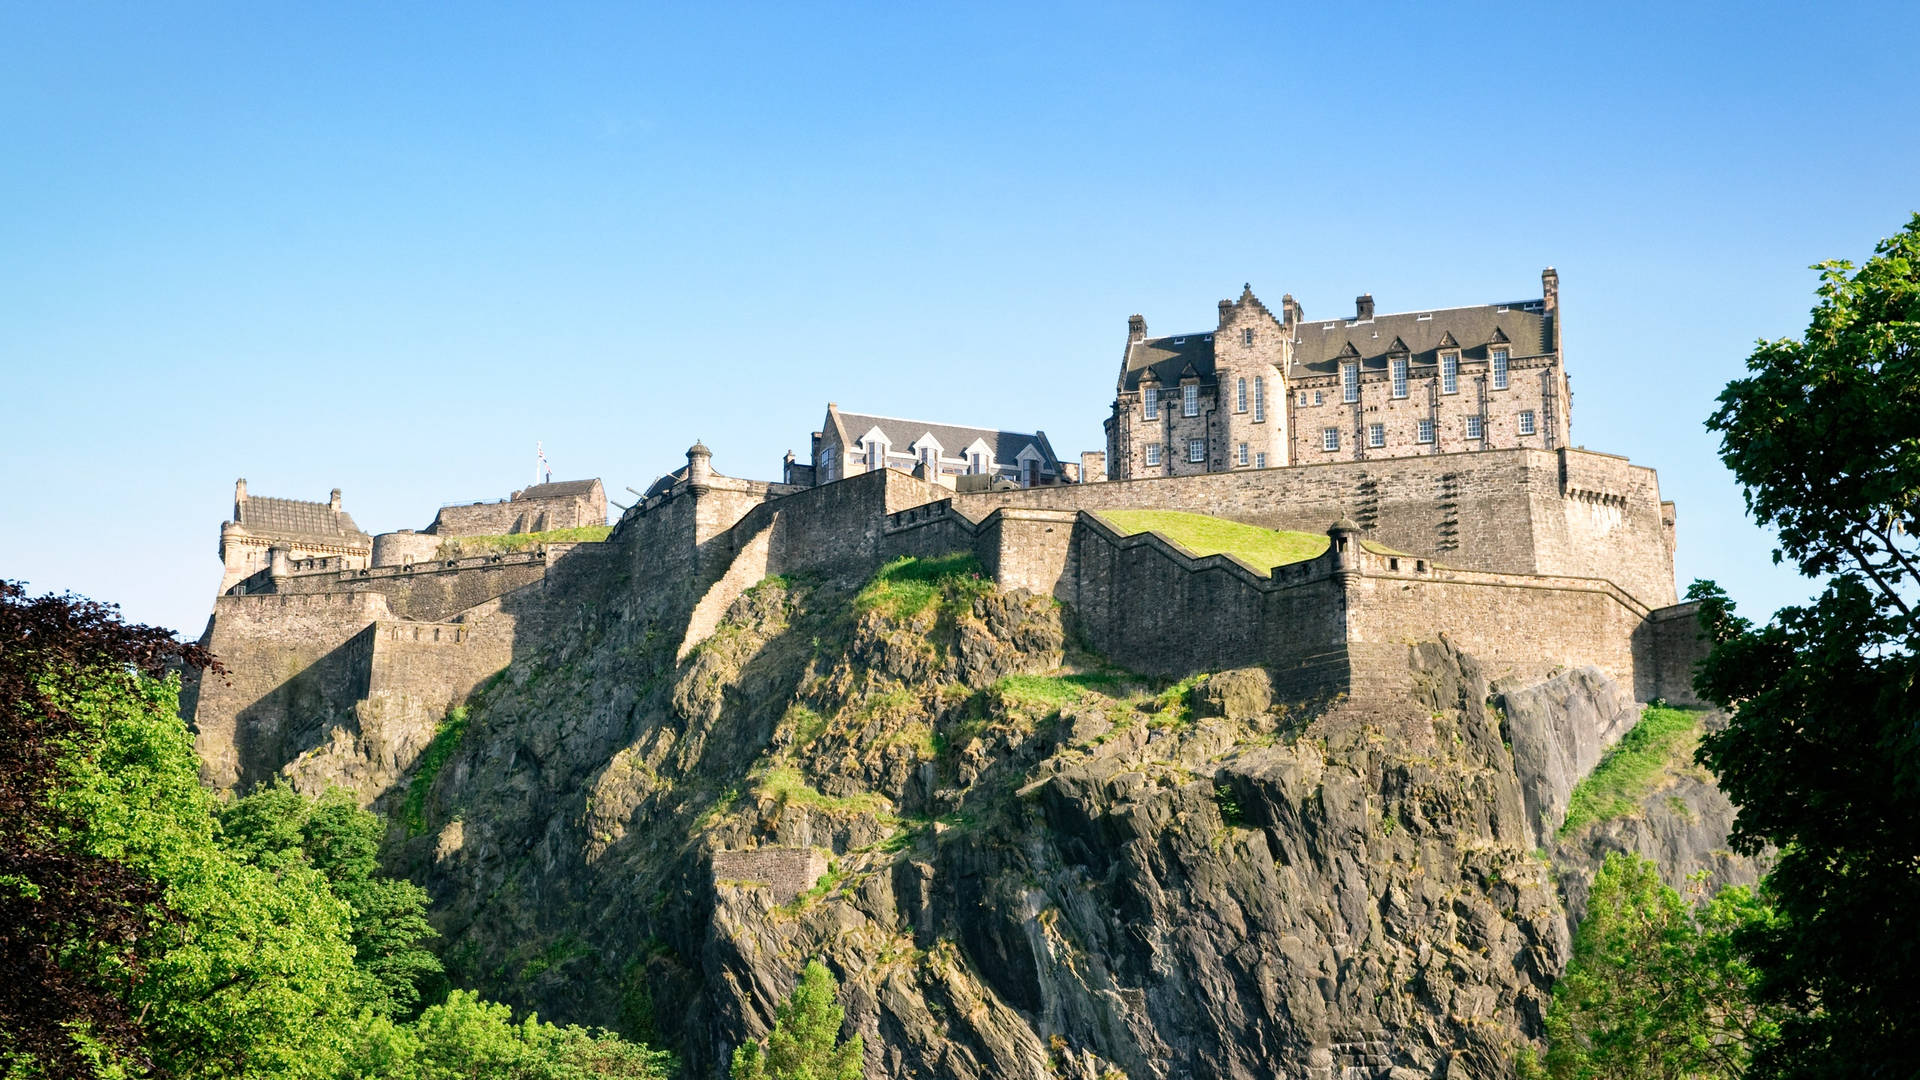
{"points": [[1251, 350]]}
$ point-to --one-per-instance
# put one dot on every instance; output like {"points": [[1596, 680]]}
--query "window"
{"points": [[1499, 369], [1196, 449], [932, 459], [1241, 456], [1303, 399], [1399, 378], [1153, 453], [1330, 438], [1259, 399], [977, 463], [1240, 395], [1029, 472], [1259, 461], [1450, 373], [1318, 399], [1426, 430], [1246, 336], [1376, 434], [1190, 400], [1526, 421], [1350, 382], [876, 454], [1151, 399], [1476, 427]]}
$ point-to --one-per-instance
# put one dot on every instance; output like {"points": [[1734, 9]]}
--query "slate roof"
{"points": [[294, 519], [557, 489], [953, 438], [1319, 344]]}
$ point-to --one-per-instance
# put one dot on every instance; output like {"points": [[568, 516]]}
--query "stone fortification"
{"points": [[1531, 560], [564, 504]]}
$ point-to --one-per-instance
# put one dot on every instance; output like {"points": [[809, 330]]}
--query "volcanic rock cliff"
{"points": [[1022, 862]]}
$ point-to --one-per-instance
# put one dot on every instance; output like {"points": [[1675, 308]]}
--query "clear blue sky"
{"points": [[387, 247]]}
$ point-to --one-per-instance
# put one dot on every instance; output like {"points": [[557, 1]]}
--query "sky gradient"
{"points": [[386, 248]]}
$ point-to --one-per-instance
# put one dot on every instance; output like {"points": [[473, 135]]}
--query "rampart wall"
{"points": [[1506, 511]]}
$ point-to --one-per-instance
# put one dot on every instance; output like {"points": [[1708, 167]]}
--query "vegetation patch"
{"points": [[1259, 548], [1632, 767], [908, 586], [787, 786], [463, 547], [1054, 692], [446, 739]]}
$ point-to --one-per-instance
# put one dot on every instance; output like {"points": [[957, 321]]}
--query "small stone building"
{"points": [[848, 444], [1265, 389], [301, 529], [560, 504]]}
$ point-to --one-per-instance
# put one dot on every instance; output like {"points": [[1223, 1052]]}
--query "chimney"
{"points": [[1136, 328], [1290, 312], [333, 501], [1550, 289], [1363, 307]]}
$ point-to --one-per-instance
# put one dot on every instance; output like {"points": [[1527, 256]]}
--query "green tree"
{"points": [[275, 827], [804, 1043], [1655, 989], [466, 1037], [1822, 751]]}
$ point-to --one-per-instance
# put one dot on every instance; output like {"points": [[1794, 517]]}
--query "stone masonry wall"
{"points": [[429, 591], [1480, 511], [518, 516]]}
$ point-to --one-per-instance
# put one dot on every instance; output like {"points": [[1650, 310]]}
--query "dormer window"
{"points": [[876, 454], [1350, 382], [1499, 369], [1450, 373], [1240, 395], [1150, 398], [1190, 400], [1399, 376]]}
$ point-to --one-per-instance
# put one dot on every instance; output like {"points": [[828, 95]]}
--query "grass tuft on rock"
{"points": [[908, 586], [446, 739], [1259, 548], [1632, 767], [785, 785]]}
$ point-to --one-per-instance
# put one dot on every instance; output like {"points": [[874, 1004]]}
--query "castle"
{"points": [[1262, 390], [1525, 551]]}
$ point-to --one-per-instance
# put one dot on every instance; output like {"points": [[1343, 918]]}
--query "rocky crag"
{"points": [[1021, 861]]}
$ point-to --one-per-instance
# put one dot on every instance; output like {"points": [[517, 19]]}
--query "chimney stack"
{"points": [[1550, 288], [1290, 312], [333, 501], [1136, 328], [1363, 307]]}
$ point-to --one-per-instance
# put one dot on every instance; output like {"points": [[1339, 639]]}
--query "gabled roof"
{"points": [[295, 519], [557, 489], [953, 438], [1170, 359], [1319, 347]]}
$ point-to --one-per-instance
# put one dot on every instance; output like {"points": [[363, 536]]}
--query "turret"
{"points": [[1345, 542], [699, 468]]}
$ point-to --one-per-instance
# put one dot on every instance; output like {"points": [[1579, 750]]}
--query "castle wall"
{"points": [[403, 547], [1480, 511], [520, 516], [294, 663], [1669, 644], [429, 591]]}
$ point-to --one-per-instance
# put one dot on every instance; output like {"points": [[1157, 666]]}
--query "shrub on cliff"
{"points": [[804, 1043]]}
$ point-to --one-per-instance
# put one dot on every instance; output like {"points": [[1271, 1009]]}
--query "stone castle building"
{"points": [[298, 529], [1265, 389], [848, 444]]}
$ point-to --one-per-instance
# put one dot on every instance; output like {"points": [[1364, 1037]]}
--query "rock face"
{"points": [[1018, 870], [1558, 729]]}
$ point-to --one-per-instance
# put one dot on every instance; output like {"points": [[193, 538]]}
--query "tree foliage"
{"points": [[1822, 751], [148, 931], [66, 913], [275, 828], [1656, 989], [804, 1043]]}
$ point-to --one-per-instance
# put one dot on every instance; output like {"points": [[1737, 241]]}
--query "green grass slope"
{"points": [[1203, 535]]}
